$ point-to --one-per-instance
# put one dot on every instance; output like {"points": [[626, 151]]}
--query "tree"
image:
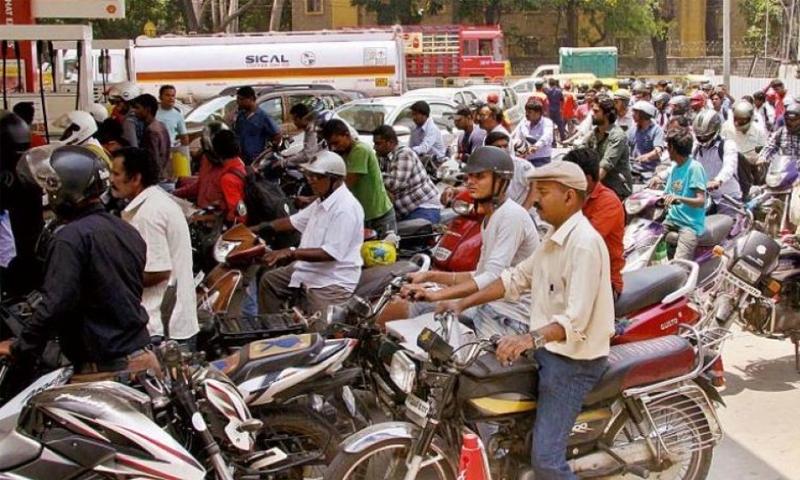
{"points": [[664, 13], [488, 12], [404, 12], [765, 26]]}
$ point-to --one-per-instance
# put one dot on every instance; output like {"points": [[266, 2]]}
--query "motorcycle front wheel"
{"points": [[671, 417], [386, 459]]}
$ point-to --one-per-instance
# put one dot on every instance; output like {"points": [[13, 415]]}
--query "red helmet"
{"points": [[698, 100], [493, 98], [772, 96]]}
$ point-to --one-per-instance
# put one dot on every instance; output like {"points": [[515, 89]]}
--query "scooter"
{"points": [[459, 247], [651, 411]]}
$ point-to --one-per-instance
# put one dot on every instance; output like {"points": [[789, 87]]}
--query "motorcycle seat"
{"points": [[487, 367], [374, 279], [270, 354], [647, 286], [716, 230], [414, 228], [641, 363]]}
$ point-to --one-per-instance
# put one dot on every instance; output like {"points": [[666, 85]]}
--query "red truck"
{"points": [[455, 51]]}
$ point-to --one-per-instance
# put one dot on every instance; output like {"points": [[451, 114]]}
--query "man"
{"points": [[326, 267], [540, 93], [679, 106], [571, 318], [744, 129], [490, 118], [785, 140], [717, 99], [622, 100], [412, 192], [611, 144], [156, 138], [509, 237], [685, 194], [93, 282], [647, 138], [171, 117], [27, 112], [426, 139], [555, 101], [79, 129], [120, 96], [641, 91], [364, 177], [520, 189], [584, 110], [539, 129], [253, 126], [160, 221], [303, 119], [721, 169], [764, 110], [604, 211], [660, 101], [781, 94], [471, 136]]}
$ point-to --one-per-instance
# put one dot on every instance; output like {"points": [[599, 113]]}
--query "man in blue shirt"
{"points": [[171, 117], [647, 139], [253, 126], [426, 139], [539, 129], [685, 193]]}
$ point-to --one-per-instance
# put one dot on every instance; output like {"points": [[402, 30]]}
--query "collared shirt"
{"points": [[569, 280], [542, 131], [468, 143], [91, 292], [746, 142], [156, 141], [723, 170], [253, 131], [626, 122], [615, 159], [160, 222], [406, 179], [427, 140], [335, 225], [605, 212], [782, 142], [175, 123]]}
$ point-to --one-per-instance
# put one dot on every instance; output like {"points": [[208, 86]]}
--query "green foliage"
{"points": [[404, 12], [165, 14], [755, 13]]}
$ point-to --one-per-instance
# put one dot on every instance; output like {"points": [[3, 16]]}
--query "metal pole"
{"points": [[726, 42], [766, 31]]}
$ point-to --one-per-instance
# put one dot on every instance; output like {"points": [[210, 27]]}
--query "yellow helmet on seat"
{"points": [[378, 252]]}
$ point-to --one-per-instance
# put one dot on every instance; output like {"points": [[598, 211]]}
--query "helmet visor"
{"points": [[34, 169]]}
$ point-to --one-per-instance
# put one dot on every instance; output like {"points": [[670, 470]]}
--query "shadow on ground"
{"points": [[775, 375], [732, 461]]}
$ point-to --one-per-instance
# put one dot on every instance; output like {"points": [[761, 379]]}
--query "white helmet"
{"points": [[645, 107], [78, 127], [98, 112], [743, 110], [126, 91], [326, 163]]}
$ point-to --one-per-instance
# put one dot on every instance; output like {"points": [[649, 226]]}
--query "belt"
{"points": [[113, 365]]}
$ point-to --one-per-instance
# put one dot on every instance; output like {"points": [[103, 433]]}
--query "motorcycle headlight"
{"points": [[222, 248], [403, 371], [746, 272], [773, 180]]}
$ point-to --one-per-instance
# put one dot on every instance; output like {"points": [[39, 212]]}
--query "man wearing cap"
{"points": [[611, 144], [533, 137], [572, 312], [647, 138], [622, 100], [471, 136]]}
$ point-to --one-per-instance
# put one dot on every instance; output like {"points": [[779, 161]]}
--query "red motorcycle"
{"points": [[459, 248]]}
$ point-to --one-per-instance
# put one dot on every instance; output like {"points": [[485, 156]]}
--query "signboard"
{"points": [[18, 12], [76, 8], [412, 42]]}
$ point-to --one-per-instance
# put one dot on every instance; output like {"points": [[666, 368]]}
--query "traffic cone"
{"points": [[472, 463]]}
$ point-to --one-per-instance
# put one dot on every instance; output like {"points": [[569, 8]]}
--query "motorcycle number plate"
{"points": [[441, 254], [417, 409]]}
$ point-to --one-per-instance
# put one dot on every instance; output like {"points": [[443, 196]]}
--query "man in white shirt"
{"points": [[572, 312], [326, 267], [162, 225], [171, 117], [744, 129]]}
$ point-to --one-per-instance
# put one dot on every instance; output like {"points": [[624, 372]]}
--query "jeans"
{"points": [[687, 241], [432, 215], [250, 300], [563, 385], [558, 122], [383, 225]]}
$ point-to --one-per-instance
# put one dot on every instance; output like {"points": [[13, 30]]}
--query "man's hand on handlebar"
{"points": [[417, 293], [511, 347], [713, 184], [417, 277]]}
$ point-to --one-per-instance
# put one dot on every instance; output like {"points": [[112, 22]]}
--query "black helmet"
{"points": [[209, 132], [494, 159], [15, 137], [792, 113], [69, 175]]}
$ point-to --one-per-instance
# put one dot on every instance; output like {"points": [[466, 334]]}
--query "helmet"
{"points": [[742, 110], [125, 91], [378, 252], [792, 113], [661, 97], [678, 91], [679, 103], [698, 100], [78, 126], [493, 98], [318, 104], [645, 107], [639, 87], [326, 163], [98, 112], [538, 82], [210, 131], [68, 174], [493, 159], [622, 94], [706, 126], [15, 137]]}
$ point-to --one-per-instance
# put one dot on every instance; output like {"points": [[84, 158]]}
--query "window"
{"points": [[314, 7], [442, 115], [274, 108]]}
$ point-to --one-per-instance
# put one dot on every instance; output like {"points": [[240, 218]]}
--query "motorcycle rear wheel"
{"points": [[693, 466], [385, 460]]}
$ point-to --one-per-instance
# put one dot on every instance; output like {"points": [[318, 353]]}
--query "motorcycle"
{"points": [[759, 288], [772, 216], [459, 247], [650, 412]]}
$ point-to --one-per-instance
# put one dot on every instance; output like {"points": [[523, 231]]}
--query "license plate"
{"points": [[441, 254], [417, 407]]}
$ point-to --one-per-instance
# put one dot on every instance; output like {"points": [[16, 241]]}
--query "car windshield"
{"points": [[366, 117], [220, 106]]}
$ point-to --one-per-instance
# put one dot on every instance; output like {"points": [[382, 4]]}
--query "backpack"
{"points": [[265, 201], [745, 172]]}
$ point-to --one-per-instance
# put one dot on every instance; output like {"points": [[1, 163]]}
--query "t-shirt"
{"points": [[683, 180], [369, 189], [174, 121]]}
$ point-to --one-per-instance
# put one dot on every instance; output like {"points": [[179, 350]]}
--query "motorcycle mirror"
{"points": [[359, 307], [241, 208]]}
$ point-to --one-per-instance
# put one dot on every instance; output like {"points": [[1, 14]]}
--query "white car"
{"points": [[368, 114], [461, 96], [511, 104]]}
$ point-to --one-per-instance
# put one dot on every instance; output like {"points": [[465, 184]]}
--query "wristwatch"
{"points": [[292, 251], [538, 339]]}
